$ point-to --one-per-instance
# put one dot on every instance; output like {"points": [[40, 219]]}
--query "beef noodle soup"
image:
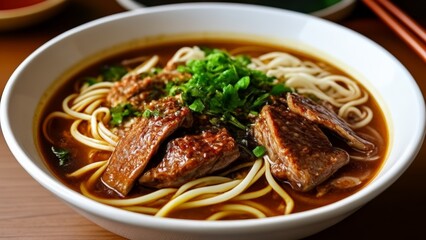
{"points": [[213, 129]]}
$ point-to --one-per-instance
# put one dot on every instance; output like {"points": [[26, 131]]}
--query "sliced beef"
{"points": [[319, 114], [135, 149], [300, 152], [137, 91], [191, 157]]}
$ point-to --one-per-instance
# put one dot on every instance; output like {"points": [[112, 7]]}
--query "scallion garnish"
{"points": [[259, 151], [224, 87]]}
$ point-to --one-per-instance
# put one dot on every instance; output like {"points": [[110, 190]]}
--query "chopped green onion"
{"points": [[91, 80], [279, 89], [259, 151], [122, 111], [197, 106], [63, 155], [113, 73], [224, 87]]}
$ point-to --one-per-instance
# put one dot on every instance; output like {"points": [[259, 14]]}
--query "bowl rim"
{"points": [[182, 225]]}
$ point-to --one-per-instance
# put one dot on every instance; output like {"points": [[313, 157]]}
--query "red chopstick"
{"points": [[406, 28]]}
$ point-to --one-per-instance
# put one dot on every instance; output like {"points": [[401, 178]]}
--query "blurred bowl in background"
{"points": [[336, 11], [16, 14], [333, 10]]}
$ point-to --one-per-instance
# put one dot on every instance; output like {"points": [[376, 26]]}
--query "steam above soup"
{"points": [[213, 130]]}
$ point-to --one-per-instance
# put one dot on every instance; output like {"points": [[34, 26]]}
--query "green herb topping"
{"points": [[122, 111], [150, 113], [113, 73], [108, 74], [259, 151], [224, 87], [63, 155]]}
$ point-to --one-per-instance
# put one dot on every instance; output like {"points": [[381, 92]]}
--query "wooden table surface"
{"points": [[28, 211]]}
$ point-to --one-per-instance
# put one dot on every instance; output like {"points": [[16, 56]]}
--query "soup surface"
{"points": [[213, 129]]}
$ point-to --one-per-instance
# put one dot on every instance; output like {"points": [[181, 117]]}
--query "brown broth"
{"points": [[303, 201]]}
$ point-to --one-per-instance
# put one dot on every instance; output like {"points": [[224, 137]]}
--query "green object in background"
{"points": [[305, 6]]}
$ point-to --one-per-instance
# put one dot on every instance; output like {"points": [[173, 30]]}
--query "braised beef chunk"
{"points": [[321, 115], [137, 91], [191, 157], [300, 152], [135, 149]]}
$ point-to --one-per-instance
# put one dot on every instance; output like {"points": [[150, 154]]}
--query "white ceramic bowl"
{"points": [[374, 67]]}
